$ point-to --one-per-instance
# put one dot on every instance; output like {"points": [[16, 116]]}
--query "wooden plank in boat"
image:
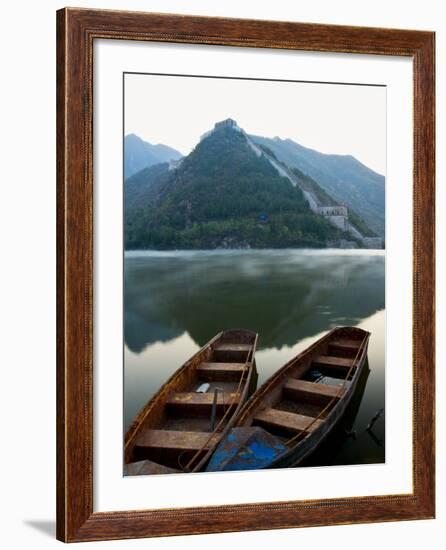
{"points": [[176, 440], [233, 347], [297, 387], [195, 399], [290, 421], [344, 343], [146, 467], [332, 361], [228, 352], [220, 371]]}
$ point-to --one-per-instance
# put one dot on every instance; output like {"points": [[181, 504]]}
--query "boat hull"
{"points": [[299, 406], [303, 451], [183, 422]]}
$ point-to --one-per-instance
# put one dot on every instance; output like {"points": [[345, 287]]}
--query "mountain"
{"points": [[342, 176], [140, 189], [139, 154], [227, 193]]}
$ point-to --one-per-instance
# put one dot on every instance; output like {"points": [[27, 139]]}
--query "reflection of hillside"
{"points": [[139, 332], [284, 295]]}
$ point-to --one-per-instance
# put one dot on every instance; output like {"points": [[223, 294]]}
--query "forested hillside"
{"points": [[221, 195]]}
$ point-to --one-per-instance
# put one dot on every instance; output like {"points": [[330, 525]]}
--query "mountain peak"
{"points": [[227, 123], [132, 137]]}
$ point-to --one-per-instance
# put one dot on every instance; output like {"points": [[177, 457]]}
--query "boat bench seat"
{"points": [[311, 391], [196, 400], [290, 421], [231, 352], [176, 440], [344, 347], [233, 347], [330, 361], [347, 344], [221, 371]]}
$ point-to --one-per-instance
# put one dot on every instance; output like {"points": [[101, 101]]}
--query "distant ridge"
{"points": [[139, 154], [342, 176]]}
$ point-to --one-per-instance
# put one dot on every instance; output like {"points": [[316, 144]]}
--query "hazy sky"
{"points": [[331, 118]]}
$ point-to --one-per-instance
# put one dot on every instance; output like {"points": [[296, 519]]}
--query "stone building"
{"points": [[228, 123], [337, 215], [337, 210]]}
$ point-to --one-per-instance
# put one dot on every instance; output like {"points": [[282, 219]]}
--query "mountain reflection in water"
{"points": [[175, 302]]}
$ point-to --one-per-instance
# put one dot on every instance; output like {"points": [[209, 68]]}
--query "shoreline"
{"points": [[271, 251]]}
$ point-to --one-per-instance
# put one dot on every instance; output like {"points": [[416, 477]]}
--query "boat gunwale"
{"points": [[275, 380], [240, 404], [272, 380], [138, 421], [330, 420], [142, 415]]}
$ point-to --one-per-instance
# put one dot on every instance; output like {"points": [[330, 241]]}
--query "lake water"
{"points": [[175, 302]]}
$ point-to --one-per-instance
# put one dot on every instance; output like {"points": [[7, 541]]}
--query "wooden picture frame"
{"points": [[77, 29]]}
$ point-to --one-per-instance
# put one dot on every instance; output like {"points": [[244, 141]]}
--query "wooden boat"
{"points": [[179, 428], [286, 419]]}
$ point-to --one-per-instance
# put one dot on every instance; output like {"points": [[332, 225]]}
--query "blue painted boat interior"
{"points": [[246, 449]]}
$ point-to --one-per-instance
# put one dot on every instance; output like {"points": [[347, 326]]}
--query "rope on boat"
{"points": [[236, 394], [369, 429], [377, 415], [197, 453], [338, 394]]}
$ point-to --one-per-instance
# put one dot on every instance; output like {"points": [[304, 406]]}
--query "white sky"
{"points": [[331, 118]]}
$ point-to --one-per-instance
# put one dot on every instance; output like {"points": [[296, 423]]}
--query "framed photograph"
{"points": [[245, 275]]}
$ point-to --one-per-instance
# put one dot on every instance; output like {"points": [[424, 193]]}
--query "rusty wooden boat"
{"points": [[179, 428], [293, 412]]}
